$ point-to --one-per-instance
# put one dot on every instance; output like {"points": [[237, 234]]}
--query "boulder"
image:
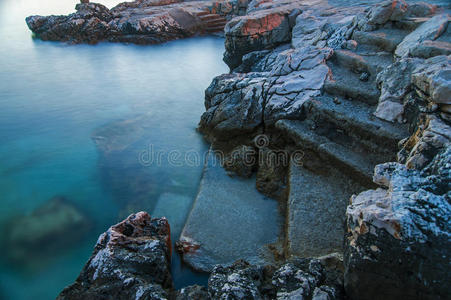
{"points": [[52, 227], [130, 261]]}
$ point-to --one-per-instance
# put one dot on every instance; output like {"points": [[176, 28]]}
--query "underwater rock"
{"points": [[130, 261], [55, 225]]}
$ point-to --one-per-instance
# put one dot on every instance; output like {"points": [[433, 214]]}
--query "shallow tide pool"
{"points": [[82, 122]]}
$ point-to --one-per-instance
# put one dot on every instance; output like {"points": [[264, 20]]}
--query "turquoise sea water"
{"points": [[54, 97]]}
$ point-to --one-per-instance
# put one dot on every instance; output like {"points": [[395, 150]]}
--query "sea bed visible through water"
{"points": [[54, 98]]}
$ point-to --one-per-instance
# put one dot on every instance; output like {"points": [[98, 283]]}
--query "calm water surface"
{"points": [[55, 97]]}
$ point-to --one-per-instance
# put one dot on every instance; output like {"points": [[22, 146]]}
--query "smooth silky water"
{"points": [[54, 97]]}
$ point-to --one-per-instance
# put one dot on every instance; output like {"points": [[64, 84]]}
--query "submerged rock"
{"points": [[130, 261], [50, 228]]}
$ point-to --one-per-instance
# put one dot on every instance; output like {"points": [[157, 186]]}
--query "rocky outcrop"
{"points": [[399, 235], [298, 279], [362, 94], [378, 73], [130, 261], [55, 225], [140, 22]]}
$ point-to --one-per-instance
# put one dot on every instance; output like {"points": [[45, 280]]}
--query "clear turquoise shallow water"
{"points": [[53, 97]]}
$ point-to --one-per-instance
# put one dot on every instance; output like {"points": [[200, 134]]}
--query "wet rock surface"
{"points": [[130, 261]]}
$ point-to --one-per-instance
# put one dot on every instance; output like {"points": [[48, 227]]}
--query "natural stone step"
{"points": [[410, 24], [357, 165], [229, 220], [214, 29], [315, 211], [345, 83], [211, 17], [384, 39], [203, 13], [216, 22], [363, 61], [356, 119]]}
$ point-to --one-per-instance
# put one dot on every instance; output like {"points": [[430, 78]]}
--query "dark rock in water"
{"points": [[55, 225], [130, 261]]}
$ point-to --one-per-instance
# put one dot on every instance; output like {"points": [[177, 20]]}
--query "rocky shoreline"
{"points": [[361, 91]]}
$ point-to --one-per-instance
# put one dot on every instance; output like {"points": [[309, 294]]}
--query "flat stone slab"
{"points": [[316, 211], [229, 220]]}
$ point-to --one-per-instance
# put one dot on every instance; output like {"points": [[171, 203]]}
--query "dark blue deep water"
{"points": [[54, 98]]}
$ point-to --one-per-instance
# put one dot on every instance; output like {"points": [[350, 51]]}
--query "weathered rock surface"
{"points": [[140, 22], [52, 227], [298, 279], [227, 208], [430, 30], [433, 79], [240, 103], [130, 261]]}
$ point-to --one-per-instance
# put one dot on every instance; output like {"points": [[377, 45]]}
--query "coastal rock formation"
{"points": [[399, 234], [139, 22], [53, 226], [381, 74], [297, 279], [361, 94], [130, 261]]}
